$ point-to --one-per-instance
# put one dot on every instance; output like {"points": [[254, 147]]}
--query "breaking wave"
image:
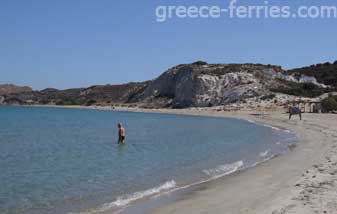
{"points": [[265, 153], [224, 170], [272, 127], [122, 201], [269, 126], [125, 200]]}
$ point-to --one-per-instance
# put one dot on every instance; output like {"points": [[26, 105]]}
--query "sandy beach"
{"points": [[168, 107], [301, 181]]}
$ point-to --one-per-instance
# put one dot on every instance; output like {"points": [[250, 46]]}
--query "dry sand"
{"points": [[303, 181]]}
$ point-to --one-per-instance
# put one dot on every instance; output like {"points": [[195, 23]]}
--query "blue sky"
{"points": [[78, 43]]}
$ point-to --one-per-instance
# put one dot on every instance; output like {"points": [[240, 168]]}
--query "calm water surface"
{"points": [[55, 160]]}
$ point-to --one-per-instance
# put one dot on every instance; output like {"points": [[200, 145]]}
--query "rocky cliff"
{"points": [[198, 84], [201, 84]]}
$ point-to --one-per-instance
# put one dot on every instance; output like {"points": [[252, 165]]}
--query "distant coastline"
{"points": [[199, 84]]}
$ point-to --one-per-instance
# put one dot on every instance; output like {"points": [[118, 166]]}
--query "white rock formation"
{"points": [[216, 84]]}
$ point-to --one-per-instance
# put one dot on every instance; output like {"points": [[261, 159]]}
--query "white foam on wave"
{"points": [[224, 170], [167, 187], [251, 121], [263, 161], [122, 201], [263, 124], [268, 126], [265, 153], [125, 200], [272, 127], [278, 129]]}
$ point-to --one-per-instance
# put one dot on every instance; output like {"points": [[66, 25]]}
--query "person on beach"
{"points": [[121, 133], [293, 110]]}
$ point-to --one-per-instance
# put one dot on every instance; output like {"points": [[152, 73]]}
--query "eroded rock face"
{"points": [[208, 85], [188, 85], [201, 84], [227, 88], [308, 79], [2, 99]]}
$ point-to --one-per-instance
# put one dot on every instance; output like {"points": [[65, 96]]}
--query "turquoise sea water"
{"points": [[55, 160]]}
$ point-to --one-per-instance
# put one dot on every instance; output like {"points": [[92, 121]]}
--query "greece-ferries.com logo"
{"points": [[235, 10]]}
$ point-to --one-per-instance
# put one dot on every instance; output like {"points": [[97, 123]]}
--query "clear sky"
{"points": [[78, 43]]}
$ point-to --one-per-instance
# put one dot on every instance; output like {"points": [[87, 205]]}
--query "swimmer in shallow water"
{"points": [[121, 133]]}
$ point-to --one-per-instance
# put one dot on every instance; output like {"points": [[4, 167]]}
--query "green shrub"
{"points": [[199, 63], [44, 101], [324, 73], [300, 89], [59, 103], [268, 97], [329, 104], [90, 102]]}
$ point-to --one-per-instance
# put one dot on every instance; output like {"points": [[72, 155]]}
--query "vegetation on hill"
{"points": [[98, 95], [300, 89], [11, 89], [199, 63], [329, 104], [324, 72], [198, 84]]}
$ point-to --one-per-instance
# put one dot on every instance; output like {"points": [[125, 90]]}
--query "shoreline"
{"points": [[295, 182], [301, 181]]}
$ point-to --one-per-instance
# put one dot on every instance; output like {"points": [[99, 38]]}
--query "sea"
{"points": [[62, 160]]}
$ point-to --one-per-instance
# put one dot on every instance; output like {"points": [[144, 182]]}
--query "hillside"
{"points": [[201, 84], [187, 85], [325, 72], [98, 95], [11, 89]]}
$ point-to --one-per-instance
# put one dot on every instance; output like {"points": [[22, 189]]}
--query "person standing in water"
{"points": [[121, 133]]}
